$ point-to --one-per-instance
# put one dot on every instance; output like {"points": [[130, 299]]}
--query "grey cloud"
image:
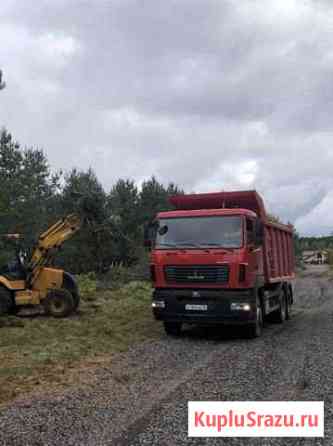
{"points": [[210, 94]]}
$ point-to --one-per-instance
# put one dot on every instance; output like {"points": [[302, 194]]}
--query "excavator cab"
{"points": [[14, 269], [12, 258], [33, 281]]}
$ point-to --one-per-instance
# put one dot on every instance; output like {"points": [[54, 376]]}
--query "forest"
{"points": [[33, 196]]}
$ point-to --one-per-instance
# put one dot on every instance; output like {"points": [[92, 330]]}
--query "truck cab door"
{"points": [[254, 245]]}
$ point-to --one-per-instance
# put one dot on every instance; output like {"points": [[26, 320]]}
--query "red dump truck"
{"points": [[218, 259]]}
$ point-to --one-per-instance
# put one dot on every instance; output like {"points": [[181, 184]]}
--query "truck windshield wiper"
{"points": [[196, 245], [219, 245], [166, 244], [211, 244]]}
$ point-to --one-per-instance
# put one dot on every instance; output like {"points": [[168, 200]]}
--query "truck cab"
{"points": [[208, 266], [207, 248]]}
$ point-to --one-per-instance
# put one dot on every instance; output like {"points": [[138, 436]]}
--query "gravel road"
{"points": [[142, 398]]}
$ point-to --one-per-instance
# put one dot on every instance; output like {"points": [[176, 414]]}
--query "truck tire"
{"points": [[255, 330], [173, 328], [6, 301], [58, 303], [289, 303], [281, 314]]}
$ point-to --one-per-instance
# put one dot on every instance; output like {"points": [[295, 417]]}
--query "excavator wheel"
{"points": [[76, 299], [70, 285], [6, 301], [58, 303]]}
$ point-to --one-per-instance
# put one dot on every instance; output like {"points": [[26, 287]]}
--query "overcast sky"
{"points": [[210, 94]]}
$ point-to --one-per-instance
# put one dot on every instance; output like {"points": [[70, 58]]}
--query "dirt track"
{"points": [[142, 398]]}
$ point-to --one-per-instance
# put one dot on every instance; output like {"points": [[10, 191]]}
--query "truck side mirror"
{"points": [[149, 234], [259, 232]]}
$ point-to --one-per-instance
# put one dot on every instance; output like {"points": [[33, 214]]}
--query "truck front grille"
{"points": [[215, 274]]}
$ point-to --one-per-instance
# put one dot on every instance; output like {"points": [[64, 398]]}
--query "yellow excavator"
{"points": [[34, 281]]}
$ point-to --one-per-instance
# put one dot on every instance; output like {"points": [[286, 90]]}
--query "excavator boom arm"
{"points": [[49, 242]]}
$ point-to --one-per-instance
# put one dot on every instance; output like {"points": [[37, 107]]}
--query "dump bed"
{"points": [[278, 249], [279, 258]]}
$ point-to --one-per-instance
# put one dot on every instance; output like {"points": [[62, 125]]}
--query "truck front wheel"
{"points": [[255, 330], [173, 328]]}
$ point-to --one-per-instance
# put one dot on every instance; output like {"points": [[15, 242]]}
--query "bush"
{"points": [[87, 283], [140, 269], [119, 274]]}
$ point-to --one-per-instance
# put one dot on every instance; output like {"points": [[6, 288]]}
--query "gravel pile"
{"points": [[142, 398]]}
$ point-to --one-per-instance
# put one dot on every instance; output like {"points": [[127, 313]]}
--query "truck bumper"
{"points": [[205, 306]]}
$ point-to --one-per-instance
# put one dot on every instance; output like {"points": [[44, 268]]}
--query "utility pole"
{"points": [[2, 84]]}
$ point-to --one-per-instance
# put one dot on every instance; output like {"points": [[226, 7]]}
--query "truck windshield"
{"points": [[201, 232]]}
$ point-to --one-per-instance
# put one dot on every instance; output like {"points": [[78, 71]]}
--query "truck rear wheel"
{"points": [[173, 328], [282, 312], [58, 303], [289, 303]]}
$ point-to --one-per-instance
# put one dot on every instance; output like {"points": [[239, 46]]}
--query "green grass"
{"points": [[40, 352]]}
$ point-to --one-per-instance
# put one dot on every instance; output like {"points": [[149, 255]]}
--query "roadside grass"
{"points": [[40, 353]]}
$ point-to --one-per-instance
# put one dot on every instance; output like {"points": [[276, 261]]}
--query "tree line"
{"points": [[32, 197], [316, 243]]}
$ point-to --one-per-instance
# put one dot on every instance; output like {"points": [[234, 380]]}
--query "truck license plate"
{"points": [[196, 307]]}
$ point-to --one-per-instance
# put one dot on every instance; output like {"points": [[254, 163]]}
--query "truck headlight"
{"points": [[158, 304], [238, 306]]}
